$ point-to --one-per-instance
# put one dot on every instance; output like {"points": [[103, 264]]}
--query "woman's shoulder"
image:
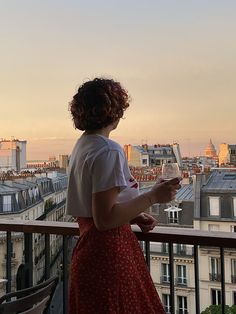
{"points": [[112, 145], [94, 145], [100, 143]]}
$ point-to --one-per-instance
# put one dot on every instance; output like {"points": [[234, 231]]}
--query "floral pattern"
{"points": [[109, 274]]}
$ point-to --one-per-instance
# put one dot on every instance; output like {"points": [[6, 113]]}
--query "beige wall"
{"points": [[206, 285], [224, 156], [133, 156], [188, 291]]}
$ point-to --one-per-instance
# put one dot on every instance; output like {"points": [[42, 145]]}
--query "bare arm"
{"points": [[108, 214]]}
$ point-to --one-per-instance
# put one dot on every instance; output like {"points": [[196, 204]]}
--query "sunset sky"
{"points": [[176, 59]]}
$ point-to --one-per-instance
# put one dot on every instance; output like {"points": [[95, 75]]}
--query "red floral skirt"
{"points": [[109, 274]]}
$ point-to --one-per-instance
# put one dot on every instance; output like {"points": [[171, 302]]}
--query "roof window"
{"points": [[229, 176]]}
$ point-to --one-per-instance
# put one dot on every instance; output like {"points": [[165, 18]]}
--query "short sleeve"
{"points": [[108, 171]]}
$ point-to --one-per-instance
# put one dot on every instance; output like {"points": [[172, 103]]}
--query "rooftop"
{"points": [[185, 193], [221, 181]]}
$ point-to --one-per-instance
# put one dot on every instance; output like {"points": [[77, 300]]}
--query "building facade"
{"points": [[183, 254], [152, 155], [215, 210], [207, 203], [12, 155], [227, 154], [39, 197], [63, 161]]}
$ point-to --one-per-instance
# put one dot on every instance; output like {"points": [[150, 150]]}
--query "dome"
{"points": [[210, 150]]}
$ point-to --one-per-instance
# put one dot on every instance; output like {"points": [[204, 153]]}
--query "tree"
{"points": [[217, 309]]}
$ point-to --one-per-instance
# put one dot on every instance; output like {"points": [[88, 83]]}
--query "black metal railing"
{"points": [[165, 279], [215, 277], [182, 281], [233, 278], [67, 230]]}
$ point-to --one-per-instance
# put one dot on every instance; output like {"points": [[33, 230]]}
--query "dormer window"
{"points": [[173, 217], [7, 203], [31, 195], [36, 193], [214, 202]]}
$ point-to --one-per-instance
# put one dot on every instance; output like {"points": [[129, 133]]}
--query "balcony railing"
{"points": [[214, 277], [165, 279], [181, 252], [182, 281], [233, 278], [67, 230]]}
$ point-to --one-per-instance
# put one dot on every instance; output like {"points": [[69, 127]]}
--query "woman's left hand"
{"points": [[145, 222]]}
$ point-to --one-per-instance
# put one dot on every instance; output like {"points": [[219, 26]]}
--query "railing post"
{"points": [[28, 259], [65, 275], [8, 262], [147, 254], [196, 277], [222, 279], [172, 284]]}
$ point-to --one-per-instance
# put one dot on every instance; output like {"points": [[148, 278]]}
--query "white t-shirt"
{"points": [[97, 164]]}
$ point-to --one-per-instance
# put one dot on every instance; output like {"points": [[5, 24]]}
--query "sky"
{"points": [[175, 57]]}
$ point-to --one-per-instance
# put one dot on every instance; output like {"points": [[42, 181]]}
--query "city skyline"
{"points": [[37, 150], [176, 59]]}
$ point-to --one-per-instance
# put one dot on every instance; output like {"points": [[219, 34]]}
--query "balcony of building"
{"points": [[174, 295]]}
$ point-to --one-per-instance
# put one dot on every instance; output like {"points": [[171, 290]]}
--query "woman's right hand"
{"points": [[164, 191]]}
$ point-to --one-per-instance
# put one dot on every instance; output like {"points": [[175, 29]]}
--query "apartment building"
{"points": [[35, 197], [182, 217], [207, 203], [12, 155], [227, 154], [152, 155], [215, 210]]}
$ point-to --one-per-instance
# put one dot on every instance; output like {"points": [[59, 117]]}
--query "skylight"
{"points": [[229, 177]]}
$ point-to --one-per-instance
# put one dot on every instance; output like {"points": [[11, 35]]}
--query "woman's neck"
{"points": [[104, 132]]}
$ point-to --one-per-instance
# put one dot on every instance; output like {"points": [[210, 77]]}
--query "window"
{"points": [[181, 277], [31, 195], [144, 162], [234, 297], [215, 269], [155, 209], [6, 203], [233, 228], [212, 227], [215, 297], [233, 270], [173, 217], [214, 205], [181, 249], [229, 176], [25, 197], [165, 248], [234, 206], [182, 305], [166, 302], [165, 272]]}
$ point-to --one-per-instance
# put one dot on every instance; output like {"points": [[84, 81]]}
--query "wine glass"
{"points": [[170, 171]]}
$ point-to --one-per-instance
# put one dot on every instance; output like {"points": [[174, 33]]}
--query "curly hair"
{"points": [[98, 103]]}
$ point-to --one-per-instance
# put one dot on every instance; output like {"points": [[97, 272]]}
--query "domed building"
{"points": [[210, 150]]}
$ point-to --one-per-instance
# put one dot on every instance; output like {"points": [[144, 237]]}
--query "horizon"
{"points": [[187, 149]]}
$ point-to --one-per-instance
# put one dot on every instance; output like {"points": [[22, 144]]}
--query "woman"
{"points": [[108, 270]]}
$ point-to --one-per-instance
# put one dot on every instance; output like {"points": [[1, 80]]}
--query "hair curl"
{"points": [[98, 103]]}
